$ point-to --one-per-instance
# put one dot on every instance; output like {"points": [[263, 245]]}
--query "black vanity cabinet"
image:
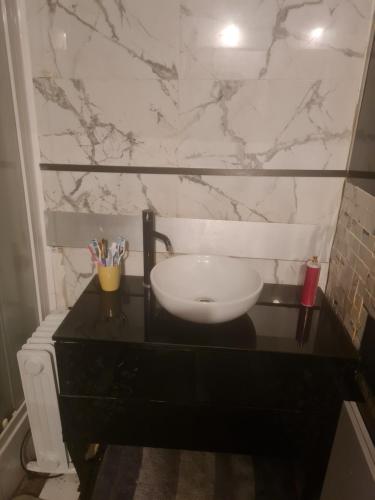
{"points": [[270, 383]]}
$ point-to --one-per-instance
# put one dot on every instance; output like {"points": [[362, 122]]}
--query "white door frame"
{"points": [[17, 45]]}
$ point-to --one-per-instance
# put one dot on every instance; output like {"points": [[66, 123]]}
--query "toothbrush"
{"points": [[121, 248], [94, 257], [104, 248], [96, 247], [113, 250], [108, 256], [101, 246], [109, 260]]}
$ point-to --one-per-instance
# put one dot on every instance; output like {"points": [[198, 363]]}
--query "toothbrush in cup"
{"points": [[107, 256]]}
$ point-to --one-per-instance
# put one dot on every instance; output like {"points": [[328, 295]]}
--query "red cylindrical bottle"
{"points": [[310, 285]]}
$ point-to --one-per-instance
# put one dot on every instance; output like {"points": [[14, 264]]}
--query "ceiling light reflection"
{"points": [[230, 36], [316, 34]]}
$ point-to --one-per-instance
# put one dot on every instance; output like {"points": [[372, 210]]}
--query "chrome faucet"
{"points": [[149, 238]]}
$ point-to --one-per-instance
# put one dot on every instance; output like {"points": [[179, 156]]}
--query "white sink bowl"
{"points": [[206, 288]]}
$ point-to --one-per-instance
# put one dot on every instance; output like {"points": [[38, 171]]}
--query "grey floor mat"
{"points": [[130, 473], [25, 497]]}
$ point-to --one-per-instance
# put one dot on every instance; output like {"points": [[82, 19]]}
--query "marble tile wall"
{"points": [[258, 199], [198, 83], [351, 283]]}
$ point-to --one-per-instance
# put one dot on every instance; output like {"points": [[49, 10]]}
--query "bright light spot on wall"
{"points": [[59, 39], [316, 34], [230, 36]]}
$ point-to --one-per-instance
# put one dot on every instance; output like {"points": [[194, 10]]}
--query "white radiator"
{"points": [[37, 364]]}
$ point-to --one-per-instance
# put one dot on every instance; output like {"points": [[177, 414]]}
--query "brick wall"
{"points": [[351, 280]]}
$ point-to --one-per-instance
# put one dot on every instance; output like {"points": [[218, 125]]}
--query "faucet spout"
{"points": [[164, 238], [149, 237]]}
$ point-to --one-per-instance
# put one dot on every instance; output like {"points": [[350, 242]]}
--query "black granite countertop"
{"points": [[277, 323]]}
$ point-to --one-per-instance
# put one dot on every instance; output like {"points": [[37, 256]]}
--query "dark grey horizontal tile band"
{"points": [[361, 174], [259, 172]]}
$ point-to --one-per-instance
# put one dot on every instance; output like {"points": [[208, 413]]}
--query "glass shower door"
{"points": [[18, 297]]}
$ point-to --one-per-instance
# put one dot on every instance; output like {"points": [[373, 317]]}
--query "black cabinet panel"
{"points": [[123, 372], [200, 376], [187, 427]]}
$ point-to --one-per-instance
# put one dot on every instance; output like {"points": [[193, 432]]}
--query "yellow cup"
{"points": [[109, 277]]}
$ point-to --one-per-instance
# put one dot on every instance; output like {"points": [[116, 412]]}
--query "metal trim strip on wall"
{"points": [[244, 172]]}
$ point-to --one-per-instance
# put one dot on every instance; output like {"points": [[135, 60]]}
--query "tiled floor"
{"points": [[61, 488], [58, 488], [31, 486]]}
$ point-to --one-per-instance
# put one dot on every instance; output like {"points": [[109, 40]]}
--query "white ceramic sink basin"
{"points": [[206, 288]]}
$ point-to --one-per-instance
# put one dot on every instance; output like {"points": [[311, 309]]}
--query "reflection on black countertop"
{"points": [[275, 324]]}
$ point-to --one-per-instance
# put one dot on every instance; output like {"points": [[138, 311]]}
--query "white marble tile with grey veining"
{"points": [[74, 267], [104, 39], [278, 124], [72, 271], [108, 122], [232, 84], [213, 39], [272, 39], [196, 83], [257, 199], [212, 124]]}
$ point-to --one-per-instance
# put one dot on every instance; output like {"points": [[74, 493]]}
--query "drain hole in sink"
{"points": [[205, 299]]}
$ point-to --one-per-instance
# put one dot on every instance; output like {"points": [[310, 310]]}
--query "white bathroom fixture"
{"points": [[37, 365], [206, 288]]}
